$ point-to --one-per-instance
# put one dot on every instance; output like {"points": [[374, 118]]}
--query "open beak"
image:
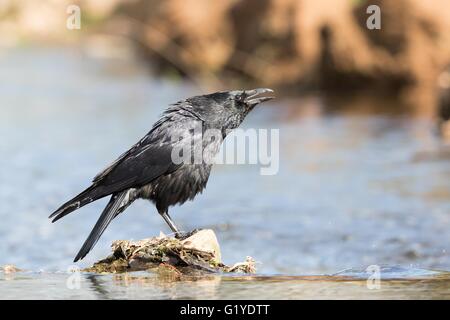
{"points": [[255, 96]]}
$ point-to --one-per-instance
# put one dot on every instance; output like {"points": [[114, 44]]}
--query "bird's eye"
{"points": [[240, 97]]}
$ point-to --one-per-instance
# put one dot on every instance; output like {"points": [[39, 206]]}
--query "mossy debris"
{"points": [[197, 254]]}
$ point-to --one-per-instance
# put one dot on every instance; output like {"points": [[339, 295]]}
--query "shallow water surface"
{"points": [[351, 191], [398, 284]]}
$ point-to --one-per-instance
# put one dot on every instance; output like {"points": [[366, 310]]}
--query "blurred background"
{"points": [[364, 175]]}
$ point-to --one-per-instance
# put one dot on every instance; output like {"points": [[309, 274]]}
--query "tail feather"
{"points": [[115, 206], [87, 196]]}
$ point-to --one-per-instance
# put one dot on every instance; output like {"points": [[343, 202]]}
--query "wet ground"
{"points": [[352, 190]]}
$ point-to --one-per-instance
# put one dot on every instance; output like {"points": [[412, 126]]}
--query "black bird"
{"points": [[148, 170]]}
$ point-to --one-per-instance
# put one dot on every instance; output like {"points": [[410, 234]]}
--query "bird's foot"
{"points": [[182, 235]]}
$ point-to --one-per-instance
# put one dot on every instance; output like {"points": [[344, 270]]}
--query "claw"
{"points": [[181, 235]]}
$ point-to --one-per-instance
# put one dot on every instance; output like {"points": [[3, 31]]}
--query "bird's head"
{"points": [[246, 100], [229, 108]]}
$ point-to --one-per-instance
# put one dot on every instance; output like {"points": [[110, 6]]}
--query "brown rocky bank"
{"points": [[299, 43]]}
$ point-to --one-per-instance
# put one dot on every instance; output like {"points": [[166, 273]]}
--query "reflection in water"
{"points": [[169, 288], [396, 283], [98, 286]]}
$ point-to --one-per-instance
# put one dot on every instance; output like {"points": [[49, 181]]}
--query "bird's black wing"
{"points": [[138, 166], [124, 155], [171, 123], [144, 144], [148, 159]]}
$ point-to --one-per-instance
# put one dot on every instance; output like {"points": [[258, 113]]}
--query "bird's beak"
{"points": [[253, 97]]}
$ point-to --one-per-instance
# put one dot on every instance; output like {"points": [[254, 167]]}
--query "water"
{"points": [[141, 285], [352, 190]]}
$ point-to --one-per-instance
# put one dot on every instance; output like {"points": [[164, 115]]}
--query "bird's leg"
{"points": [[178, 234], [169, 221], [181, 235], [184, 235]]}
